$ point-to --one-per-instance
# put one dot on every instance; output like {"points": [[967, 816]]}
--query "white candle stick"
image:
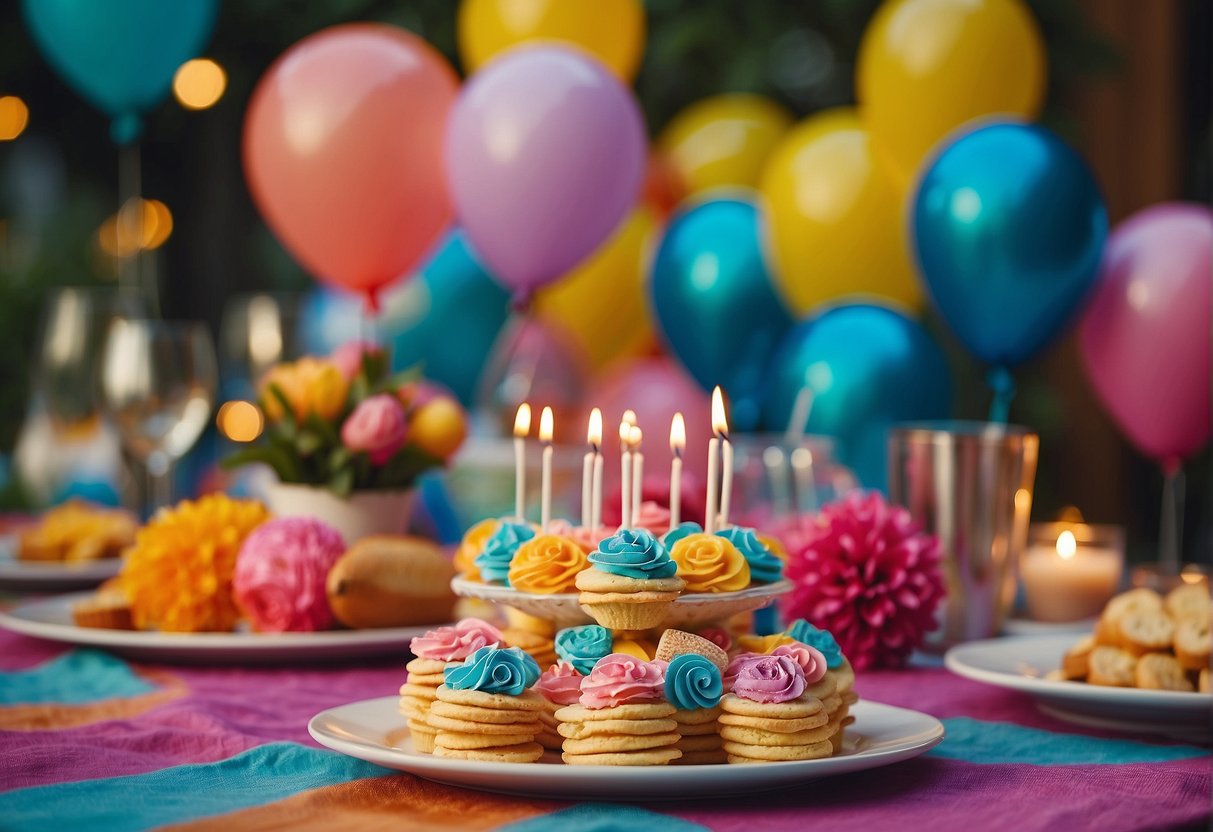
{"points": [[522, 426], [709, 513], [625, 452], [718, 514], [545, 483], [637, 472], [596, 522], [678, 441], [593, 438], [726, 479]]}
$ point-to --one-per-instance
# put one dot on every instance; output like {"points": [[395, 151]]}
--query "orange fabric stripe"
{"points": [[60, 717]]}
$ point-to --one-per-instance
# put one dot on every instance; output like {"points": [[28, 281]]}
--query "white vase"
{"points": [[361, 514]]}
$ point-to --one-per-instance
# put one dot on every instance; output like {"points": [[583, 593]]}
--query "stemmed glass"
{"points": [[158, 382]]}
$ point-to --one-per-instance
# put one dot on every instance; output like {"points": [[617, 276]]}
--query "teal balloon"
{"points": [[447, 318], [715, 304], [120, 55], [868, 367], [1009, 227]]}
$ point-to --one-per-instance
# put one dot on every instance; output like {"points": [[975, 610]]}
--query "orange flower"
{"points": [[763, 644], [710, 563], [547, 564], [178, 575], [471, 546]]}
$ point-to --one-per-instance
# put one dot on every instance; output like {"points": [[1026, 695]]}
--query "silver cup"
{"points": [[969, 483]]}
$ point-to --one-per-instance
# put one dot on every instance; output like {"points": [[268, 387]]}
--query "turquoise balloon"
{"points": [[447, 318], [1009, 228], [120, 54], [715, 304], [868, 367]]}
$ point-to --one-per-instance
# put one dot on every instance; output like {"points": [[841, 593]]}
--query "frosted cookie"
{"points": [[491, 681], [560, 686], [693, 685], [583, 646], [782, 718], [631, 581]]}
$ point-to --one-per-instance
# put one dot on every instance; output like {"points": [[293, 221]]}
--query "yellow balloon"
{"points": [[610, 30], [834, 217], [603, 304], [926, 67], [723, 141]]}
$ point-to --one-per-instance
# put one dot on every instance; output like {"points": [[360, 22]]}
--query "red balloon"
{"points": [[343, 152]]}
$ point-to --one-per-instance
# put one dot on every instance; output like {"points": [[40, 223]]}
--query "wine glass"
{"points": [[158, 381], [257, 332]]}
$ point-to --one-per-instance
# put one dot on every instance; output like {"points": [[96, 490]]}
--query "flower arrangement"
{"points": [[863, 570], [345, 423]]}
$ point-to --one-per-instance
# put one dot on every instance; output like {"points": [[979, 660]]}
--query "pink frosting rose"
{"points": [[619, 679], [653, 518], [560, 684], [769, 679], [454, 644], [376, 426], [809, 658], [585, 537], [280, 574], [735, 664], [347, 358]]}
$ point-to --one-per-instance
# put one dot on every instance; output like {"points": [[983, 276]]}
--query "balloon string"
{"points": [[1171, 523], [1002, 383]]}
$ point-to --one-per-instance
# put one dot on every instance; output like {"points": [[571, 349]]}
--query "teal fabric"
{"points": [[259, 776], [75, 678], [602, 817], [976, 741]]}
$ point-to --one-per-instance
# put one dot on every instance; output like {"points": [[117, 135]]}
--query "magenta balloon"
{"points": [[545, 155], [1145, 336]]}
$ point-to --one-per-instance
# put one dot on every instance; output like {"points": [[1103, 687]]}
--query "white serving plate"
{"points": [[1020, 664], [374, 730], [49, 575], [52, 619]]}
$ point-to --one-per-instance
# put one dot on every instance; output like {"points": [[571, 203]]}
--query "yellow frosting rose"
{"points": [[774, 544], [471, 546], [547, 564], [642, 650], [763, 644], [709, 563]]}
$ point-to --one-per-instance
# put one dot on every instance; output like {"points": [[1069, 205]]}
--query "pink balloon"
{"points": [[545, 155], [1145, 336], [656, 388]]}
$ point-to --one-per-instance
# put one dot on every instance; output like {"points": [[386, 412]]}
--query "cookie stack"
{"points": [[484, 710], [694, 686], [622, 718], [417, 696], [837, 670], [560, 686], [771, 716]]}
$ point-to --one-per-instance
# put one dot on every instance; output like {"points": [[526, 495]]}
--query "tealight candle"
{"points": [[1070, 571], [545, 482], [522, 426], [678, 441]]}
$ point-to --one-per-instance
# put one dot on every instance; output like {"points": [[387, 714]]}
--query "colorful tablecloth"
{"points": [[91, 741]]}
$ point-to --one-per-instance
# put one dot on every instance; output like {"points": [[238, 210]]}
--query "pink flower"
{"points": [[769, 679], [280, 574], [376, 426], [735, 665], [454, 644], [618, 679], [348, 357], [862, 570]]}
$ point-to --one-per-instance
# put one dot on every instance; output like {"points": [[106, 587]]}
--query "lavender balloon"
{"points": [[1145, 336], [545, 155]]}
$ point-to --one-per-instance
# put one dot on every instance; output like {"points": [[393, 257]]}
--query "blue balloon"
{"points": [[1009, 227], [120, 55], [715, 302], [868, 367]]}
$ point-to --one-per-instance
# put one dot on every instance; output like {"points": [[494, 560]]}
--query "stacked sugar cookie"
{"points": [[560, 686], [485, 709], [1145, 640], [694, 685], [433, 652]]}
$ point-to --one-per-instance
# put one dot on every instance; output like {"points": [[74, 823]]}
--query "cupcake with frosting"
{"points": [[765, 567], [560, 686], [693, 685], [547, 565], [499, 550], [583, 646], [631, 581], [710, 563]]}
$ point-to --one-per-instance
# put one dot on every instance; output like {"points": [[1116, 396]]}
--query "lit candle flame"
{"points": [[625, 433], [1066, 545], [634, 437], [629, 416], [522, 421], [719, 424], [678, 435], [594, 435], [545, 425]]}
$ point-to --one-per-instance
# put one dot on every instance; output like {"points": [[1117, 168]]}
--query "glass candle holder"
{"points": [[1071, 570]]}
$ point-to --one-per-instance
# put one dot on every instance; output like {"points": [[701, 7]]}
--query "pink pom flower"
{"points": [[376, 426], [862, 570], [347, 358], [281, 572]]}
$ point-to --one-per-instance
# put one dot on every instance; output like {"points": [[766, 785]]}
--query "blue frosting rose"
{"points": [[679, 532], [494, 560], [692, 682], [493, 670], [582, 647], [821, 640], [765, 568], [633, 553]]}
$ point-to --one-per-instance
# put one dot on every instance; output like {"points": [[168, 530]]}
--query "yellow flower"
{"points": [[763, 644], [471, 546], [178, 575], [709, 563], [287, 380], [325, 388], [547, 564]]}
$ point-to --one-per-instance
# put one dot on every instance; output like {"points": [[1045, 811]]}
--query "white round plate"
{"points": [[1020, 664], [47, 575], [374, 730], [1027, 627], [52, 619]]}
